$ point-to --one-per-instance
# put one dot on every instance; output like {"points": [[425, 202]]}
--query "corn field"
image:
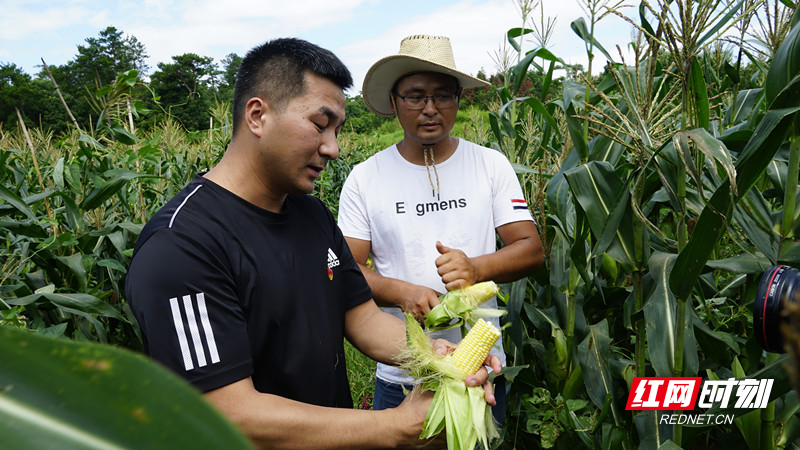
{"points": [[663, 186]]}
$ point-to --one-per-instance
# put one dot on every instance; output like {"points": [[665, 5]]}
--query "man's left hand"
{"points": [[479, 378]]}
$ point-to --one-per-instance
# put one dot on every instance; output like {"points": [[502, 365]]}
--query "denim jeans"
{"points": [[390, 395]]}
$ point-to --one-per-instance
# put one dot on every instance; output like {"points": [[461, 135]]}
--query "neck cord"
{"points": [[435, 191]]}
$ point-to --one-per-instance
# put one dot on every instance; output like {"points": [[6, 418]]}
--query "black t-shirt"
{"points": [[223, 290]]}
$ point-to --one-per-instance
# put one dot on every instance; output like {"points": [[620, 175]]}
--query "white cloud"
{"points": [[214, 28], [359, 31], [21, 20]]}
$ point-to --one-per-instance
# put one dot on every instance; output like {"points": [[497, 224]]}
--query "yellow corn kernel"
{"points": [[473, 349]]}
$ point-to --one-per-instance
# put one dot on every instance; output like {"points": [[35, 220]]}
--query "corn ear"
{"points": [[458, 410], [462, 305], [475, 347]]}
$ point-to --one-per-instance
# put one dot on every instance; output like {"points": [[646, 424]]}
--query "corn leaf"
{"points": [[63, 394]]}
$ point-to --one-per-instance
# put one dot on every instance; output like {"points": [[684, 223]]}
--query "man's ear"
{"points": [[256, 111]]}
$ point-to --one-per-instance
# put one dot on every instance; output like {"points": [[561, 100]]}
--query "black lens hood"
{"points": [[777, 283]]}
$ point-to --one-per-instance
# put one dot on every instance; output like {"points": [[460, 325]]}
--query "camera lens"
{"points": [[778, 284]]}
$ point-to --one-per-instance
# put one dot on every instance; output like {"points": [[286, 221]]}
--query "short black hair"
{"points": [[276, 71]]}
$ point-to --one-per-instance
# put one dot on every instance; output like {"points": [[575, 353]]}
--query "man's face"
{"points": [[432, 123], [300, 140]]}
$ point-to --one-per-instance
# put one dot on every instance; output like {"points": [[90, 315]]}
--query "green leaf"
{"points": [[72, 214], [761, 149], [645, 24], [81, 304], [579, 27], [754, 216], [58, 174], [650, 430], [60, 393], [748, 424], [92, 142], [548, 79], [516, 301], [541, 110], [789, 96], [18, 204], [746, 102], [785, 65], [25, 228], [606, 201], [74, 263], [699, 93], [572, 101], [514, 33], [519, 168], [72, 175], [659, 313], [519, 71], [714, 150], [122, 135], [716, 345], [106, 190], [796, 15], [594, 353], [746, 263]]}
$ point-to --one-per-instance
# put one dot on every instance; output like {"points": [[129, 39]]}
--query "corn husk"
{"points": [[457, 409], [462, 306]]}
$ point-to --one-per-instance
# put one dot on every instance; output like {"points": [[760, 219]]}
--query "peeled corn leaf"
{"points": [[463, 306], [434, 420]]}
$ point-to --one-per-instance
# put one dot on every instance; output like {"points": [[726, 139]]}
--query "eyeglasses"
{"points": [[419, 101]]}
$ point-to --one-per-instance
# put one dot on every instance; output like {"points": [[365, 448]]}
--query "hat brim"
{"points": [[382, 76]]}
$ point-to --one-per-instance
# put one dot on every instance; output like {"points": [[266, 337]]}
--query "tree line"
{"points": [[186, 89]]}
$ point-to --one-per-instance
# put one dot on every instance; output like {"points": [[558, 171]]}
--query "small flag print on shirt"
{"points": [[519, 203]]}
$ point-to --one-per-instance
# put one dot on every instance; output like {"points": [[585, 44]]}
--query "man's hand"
{"points": [[419, 300], [481, 377], [414, 409], [455, 268]]}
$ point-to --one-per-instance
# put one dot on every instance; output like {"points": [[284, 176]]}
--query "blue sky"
{"points": [[358, 31]]}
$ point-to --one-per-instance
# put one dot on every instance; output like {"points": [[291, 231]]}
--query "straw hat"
{"points": [[419, 53]]}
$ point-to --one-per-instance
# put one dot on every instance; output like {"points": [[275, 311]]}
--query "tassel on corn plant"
{"points": [[459, 410], [462, 306]]}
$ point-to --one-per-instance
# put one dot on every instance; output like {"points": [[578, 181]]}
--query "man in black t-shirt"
{"points": [[243, 284]]}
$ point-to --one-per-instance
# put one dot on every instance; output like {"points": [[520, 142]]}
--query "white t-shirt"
{"points": [[394, 204]]}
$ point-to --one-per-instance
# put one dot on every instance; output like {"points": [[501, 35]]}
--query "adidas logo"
{"points": [[333, 260]]}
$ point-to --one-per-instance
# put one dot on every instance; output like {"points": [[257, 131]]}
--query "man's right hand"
{"points": [[413, 411], [419, 300]]}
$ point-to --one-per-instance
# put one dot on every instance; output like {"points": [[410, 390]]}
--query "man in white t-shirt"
{"points": [[429, 209]]}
